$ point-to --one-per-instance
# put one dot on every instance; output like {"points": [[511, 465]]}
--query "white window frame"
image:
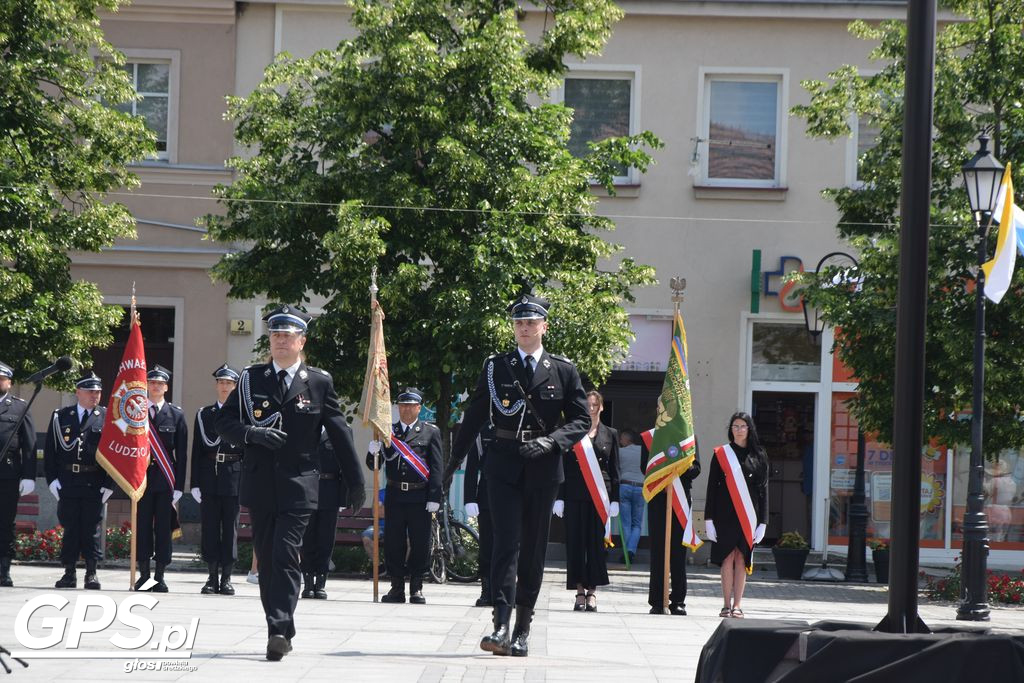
{"points": [[173, 59], [852, 143], [616, 72], [780, 76]]}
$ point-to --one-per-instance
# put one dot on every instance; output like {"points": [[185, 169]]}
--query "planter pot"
{"points": [[881, 560], [789, 562]]}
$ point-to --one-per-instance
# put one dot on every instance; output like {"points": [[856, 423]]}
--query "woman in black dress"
{"points": [[731, 550], [586, 562]]}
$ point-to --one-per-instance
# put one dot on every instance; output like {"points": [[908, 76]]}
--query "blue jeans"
{"points": [[631, 509]]}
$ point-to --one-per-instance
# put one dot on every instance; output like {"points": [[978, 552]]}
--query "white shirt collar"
{"points": [[291, 370], [159, 406], [219, 405], [407, 427], [536, 356], [82, 411]]}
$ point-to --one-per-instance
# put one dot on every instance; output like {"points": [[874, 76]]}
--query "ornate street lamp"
{"points": [[982, 176]]}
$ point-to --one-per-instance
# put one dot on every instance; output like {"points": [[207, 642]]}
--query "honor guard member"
{"points": [[474, 492], [536, 403], [17, 466], [318, 541], [414, 470], [216, 471], [79, 484], [165, 480], [277, 413]]}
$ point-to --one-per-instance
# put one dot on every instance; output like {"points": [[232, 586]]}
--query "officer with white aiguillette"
{"points": [[536, 403], [17, 467]]}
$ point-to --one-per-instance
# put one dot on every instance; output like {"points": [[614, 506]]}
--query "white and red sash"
{"points": [[156, 450], [587, 460], [738, 491], [418, 464], [680, 505]]}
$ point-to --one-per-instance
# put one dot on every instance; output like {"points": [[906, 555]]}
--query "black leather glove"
{"points": [[355, 498], [538, 447], [268, 437]]}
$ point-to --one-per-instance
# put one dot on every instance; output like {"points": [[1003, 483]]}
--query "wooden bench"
{"points": [[348, 532], [28, 506]]}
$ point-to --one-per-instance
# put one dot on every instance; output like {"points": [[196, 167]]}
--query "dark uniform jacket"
{"points": [[556, 393], [425, 440], [20, 461], [474, 486], [69, 454], [211, 477], [288, 478], [332, 482], [170, 426], [606, 450]]}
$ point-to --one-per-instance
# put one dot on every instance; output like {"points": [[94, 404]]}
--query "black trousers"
{"points": [[219, 537], [81, 516], [318, 541], [8, 511], [586, 561], [154, 526], [522, 522], [676, 560], [486, 531], [277, 535], [406, 521]]}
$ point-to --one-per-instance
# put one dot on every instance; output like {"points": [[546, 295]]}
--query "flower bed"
{"points": [[44, 546], [1003, 588]]}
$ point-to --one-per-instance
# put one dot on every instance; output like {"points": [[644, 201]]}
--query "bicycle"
{"points": [[454, 547]]}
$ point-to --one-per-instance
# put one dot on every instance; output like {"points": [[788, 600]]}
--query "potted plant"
{"points": [[790, 555], [880, 556]]}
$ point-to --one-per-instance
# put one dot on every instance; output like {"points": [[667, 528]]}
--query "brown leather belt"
{"points": [[76, 468], [224, 457], [328, 475], [407, 485], [521, 436]]}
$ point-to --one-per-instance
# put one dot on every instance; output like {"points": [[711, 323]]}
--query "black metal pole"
{"points": [[974, 591], [856, 552], [912, 305]]}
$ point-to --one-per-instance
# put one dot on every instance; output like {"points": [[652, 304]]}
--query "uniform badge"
{"points": [[301, 402], [266, 373], [95, 412], [284, 309], [504, 403], [547, 363], [8, 401], [303, 374], [257, 413], [524, 300]]}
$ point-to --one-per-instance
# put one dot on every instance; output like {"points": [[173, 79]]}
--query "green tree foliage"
{"points": [[979, 86], [426, 146], [61, 149]]}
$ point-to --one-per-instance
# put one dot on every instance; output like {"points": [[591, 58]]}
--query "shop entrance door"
{"points": [[785, 425]]}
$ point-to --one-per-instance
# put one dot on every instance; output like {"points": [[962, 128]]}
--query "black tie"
{"points": [[282, 382], [529, 369]]}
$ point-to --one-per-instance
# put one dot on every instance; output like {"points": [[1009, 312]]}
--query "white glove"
{"points": [[107, 493], [759, 533], [433, 507], [374, 447], [614, 512], [472, 510], [197, 494], [558, 509], [709, 531], [175, 496], [54, 488], [26, 487]]}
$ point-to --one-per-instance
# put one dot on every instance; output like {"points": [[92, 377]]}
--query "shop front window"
{"points": [[1003, 487]]}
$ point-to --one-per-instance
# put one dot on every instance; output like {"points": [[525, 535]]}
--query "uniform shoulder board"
{"points": [[560, 358], [431, 425], [320, 370], [18, 399], [174, 407]]}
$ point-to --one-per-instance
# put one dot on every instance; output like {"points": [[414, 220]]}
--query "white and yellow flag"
{"points": [[999, 271]]}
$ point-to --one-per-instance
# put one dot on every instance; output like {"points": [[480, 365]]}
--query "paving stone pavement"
{"points": [[349, 638]]}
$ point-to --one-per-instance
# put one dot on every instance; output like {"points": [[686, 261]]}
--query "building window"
{"points": [[603, 107], [742, 130], [152, 81], [864, 132]]}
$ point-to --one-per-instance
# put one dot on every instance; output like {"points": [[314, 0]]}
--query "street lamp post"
{"points": [[982, 177]]}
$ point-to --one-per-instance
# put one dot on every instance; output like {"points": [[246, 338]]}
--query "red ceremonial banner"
{"points": [[124, 445]]}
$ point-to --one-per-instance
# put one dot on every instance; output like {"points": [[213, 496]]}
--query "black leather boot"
{"points": [[320, 587], [143, 575], [92, 583], [307, 585], [397, 592], [158, 576], [211, 586], [69, 580], [225, 580], [485, 594], [5, 572], [499, 641], [416, 592], [520, 646]]}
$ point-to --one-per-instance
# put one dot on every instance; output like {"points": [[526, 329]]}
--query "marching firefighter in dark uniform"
{"points": [[414, 471], [318, 542], [76, 480], [216, 470], [164, 481], [536, 403], [17, 466], [277, 413], [474, 493]]}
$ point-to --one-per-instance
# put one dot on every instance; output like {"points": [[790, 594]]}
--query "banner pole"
{"points": [[131, 575], [376, 519], [622, 539], [666, 578]]}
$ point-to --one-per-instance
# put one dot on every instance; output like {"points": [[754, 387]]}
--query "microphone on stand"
{"points": [[62, 364]]}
